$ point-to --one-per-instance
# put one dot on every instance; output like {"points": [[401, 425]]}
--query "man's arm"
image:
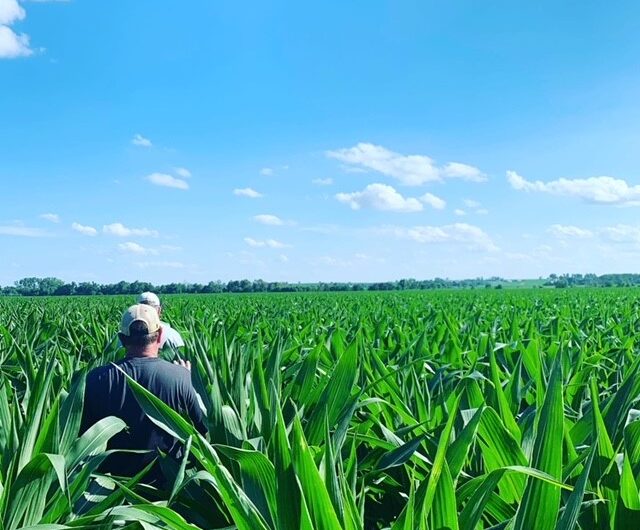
{"points": [[192, 401], [195, 411]]}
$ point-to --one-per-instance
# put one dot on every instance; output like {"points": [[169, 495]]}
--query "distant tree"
{"points": [[66, 289], [48, 286], [28, 286], [88, 288]]}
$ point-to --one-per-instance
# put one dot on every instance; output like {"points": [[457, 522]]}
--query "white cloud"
{"points": [[182, 172], [135, 248], [266, 171], [118, 229], [380, 197], [563, 231], [474, 206], [11, 11], [162, 179], [412, 170], [253, 242], [621, 233], [271, 243], [141, 141], [601, 190], [85, 230], [283, 258], [21, 231], [462, 233], [464, 172], [51, 217], [322, 182], [13, 45], [433, 201], [459, 212], [268, 219], [247, 192]]}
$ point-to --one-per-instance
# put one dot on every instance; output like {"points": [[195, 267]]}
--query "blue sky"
{"points": [[195, 141]]}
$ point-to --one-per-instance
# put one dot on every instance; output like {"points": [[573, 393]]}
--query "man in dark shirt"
{"points": [[108, 394]]}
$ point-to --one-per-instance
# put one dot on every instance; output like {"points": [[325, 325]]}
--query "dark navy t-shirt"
{"points": [[108, 394]]}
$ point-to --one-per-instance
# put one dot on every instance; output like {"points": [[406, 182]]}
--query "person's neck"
{"points": [[147, 353]]}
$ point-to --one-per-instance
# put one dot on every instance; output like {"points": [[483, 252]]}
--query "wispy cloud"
{"points": [[380, 197], [474, 206], [459, 212], [136, 248], [182, 172], [322, 182], [247, 192], [411, 170], [271, 243], [21, 231], [84, 229], [266, 172], [601, 190], [621, 233], [569, 231], [268, 219], [118, 229], [141, 141], [51, 217], [461, 233], [168, 181]]}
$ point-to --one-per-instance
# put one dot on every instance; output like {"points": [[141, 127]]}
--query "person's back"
{"points": [[170, 337], [108, 394]]}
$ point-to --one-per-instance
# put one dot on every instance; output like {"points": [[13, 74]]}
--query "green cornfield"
{"points": [[452, 410]]}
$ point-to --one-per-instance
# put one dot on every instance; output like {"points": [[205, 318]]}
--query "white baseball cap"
{"points": [[149, 298], [140, 313]]}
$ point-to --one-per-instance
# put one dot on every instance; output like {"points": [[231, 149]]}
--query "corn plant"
{"points": [[441, 410]]}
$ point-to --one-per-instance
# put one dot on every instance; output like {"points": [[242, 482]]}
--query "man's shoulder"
{"points": [[171, 335], [101, 371], [167, 327], [169, 370]]}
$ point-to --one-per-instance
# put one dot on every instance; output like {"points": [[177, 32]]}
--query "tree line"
{"points": [[55, 287], [33, 286]]}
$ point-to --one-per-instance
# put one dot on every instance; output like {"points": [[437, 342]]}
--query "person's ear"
{"points": [[159, 339]]}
